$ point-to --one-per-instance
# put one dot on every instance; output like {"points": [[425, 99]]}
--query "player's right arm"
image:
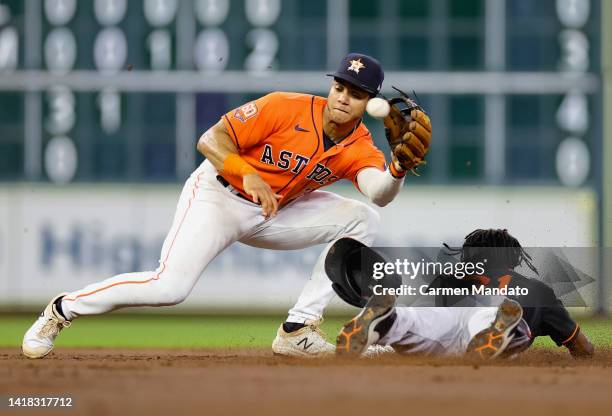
{"points": [[218, 147], [380, 186], [369, 175]]}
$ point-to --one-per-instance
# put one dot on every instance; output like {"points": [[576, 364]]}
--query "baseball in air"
{"points": [[377, 107]]}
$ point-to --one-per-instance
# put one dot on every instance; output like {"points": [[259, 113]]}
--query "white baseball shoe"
{"points": [[38, 341], [306, 342]]}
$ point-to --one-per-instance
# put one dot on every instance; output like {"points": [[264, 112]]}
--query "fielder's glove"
{"points": [[408, 131]]}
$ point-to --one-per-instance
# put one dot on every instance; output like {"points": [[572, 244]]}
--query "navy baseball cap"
{"points": [[362, 71]]}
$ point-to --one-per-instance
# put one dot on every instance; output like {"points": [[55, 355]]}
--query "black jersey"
{"points": [[542, 310]]}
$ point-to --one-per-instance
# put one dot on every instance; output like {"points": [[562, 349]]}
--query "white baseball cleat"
{"points": [[38, 341], [306, 342]]}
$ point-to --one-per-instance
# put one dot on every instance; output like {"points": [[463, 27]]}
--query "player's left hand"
{"points": [[261, 193]]}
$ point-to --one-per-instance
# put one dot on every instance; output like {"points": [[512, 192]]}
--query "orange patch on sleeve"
{"points": [[246, 112]]}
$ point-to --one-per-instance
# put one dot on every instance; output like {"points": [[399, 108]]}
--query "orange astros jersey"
{"points": [[281, 136]]}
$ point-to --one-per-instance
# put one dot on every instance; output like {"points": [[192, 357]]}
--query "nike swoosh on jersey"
{"points": [[298, 128]]}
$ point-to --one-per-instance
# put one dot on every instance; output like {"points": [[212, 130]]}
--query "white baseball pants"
{"points": [[437, 331], [208, 219]]}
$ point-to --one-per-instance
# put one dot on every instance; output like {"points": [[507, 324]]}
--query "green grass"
{"points": [[599, 332], [155, 331]]}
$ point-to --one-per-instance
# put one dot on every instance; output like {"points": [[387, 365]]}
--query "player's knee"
{"points": [[172, 298], [171, 293]]}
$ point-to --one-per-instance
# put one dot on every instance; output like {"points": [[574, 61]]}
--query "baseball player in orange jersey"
{"points": [[258, 185]]}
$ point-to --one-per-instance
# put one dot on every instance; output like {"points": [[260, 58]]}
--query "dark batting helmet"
{"points": [[349, 265]]}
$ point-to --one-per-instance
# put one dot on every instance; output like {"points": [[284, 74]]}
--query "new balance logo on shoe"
{"points": [[301, 340], [306, 344]]}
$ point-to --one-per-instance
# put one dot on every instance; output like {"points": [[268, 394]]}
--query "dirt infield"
{"points": [[254, 382]]}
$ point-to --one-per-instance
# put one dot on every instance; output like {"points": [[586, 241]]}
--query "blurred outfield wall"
{"points": [[514, 88], [54, 239]]}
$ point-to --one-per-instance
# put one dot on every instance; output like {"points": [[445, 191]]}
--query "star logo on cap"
{"points": [[356, 65]]}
